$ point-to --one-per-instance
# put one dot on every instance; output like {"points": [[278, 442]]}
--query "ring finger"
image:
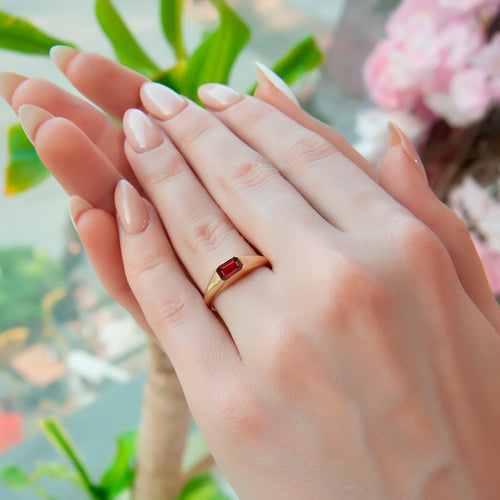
{"points": [[201, 234]]}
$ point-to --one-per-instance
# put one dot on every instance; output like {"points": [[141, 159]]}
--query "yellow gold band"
{"points": [[229, 272]]}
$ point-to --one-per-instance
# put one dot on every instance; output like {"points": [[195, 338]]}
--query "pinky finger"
{"points": [[198, 344], [99, 236], [400, 177]]}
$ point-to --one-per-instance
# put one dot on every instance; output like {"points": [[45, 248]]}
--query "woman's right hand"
{"points": [[92, 144]]}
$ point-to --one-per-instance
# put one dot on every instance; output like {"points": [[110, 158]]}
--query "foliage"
{"points": [[27, 276], [117, 478], [211, 61]]}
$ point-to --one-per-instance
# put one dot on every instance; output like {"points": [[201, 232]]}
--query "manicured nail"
{"points": [[218, 97], [398, 138], [142, 134], [62, 55], [163, 103], [31, 117], [265, 74], [77, 205], [8, 83], [132, 211]]}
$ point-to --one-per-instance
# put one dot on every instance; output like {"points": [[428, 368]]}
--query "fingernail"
{"points": [[132, 212], [62, 55], [163, 103], [31, 117], [141, 133], [77, 205], [265, 74], [398, 138], [8, 83], [218, 97]]}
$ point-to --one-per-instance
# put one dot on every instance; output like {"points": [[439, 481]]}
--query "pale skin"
{"points": [[363, 363]]}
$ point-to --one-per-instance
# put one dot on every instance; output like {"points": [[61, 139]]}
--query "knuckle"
{"points": [[251, 174], [168, 170], [143, 265], [240, 412], [171, 308], [420, 251], [310, 148], [196, 127], [208, 234]]}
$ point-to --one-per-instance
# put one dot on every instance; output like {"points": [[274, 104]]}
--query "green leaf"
{"points": [[202, 487], [60, 439], [21, 36], [120, 475], [171, 22], [301, 58], [213, 59], [54, 470], [24, 169], [15, 478], [174, 77], [126, 47]]}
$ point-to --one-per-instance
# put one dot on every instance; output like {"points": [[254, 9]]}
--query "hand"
{"points": [[94, 147], [356, 366]]}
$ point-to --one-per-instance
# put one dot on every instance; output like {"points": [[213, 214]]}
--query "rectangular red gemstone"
{"points": [[229, 268]]}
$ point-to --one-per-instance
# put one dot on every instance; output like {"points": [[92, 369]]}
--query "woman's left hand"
{"points": [[356, 365]]}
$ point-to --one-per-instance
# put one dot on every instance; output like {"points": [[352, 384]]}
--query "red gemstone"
{"points": [[229, 268]]}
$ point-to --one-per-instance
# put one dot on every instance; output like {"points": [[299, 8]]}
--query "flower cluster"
{"points": [[481, 211], [438, 61]]}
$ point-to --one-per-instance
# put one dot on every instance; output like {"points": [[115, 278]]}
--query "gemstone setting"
{"points": [[229, 268]]}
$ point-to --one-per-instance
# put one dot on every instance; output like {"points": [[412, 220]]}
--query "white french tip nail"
{"points": [[266, 74]]}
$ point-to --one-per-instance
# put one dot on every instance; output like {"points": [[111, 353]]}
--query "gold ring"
{"points": [[229, 272]]}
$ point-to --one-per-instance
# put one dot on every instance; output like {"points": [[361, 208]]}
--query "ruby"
{"points": [[229, 268]]}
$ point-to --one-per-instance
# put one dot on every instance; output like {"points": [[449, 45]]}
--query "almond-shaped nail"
{"points": [[31, 117], [77, 205], [62, 55], [162, 102], [218, 97], [141, 133], [131, 209], [265, 74], [8, 83], [398, 138]]}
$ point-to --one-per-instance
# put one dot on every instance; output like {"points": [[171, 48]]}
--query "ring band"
{"points": [[229, 272]]}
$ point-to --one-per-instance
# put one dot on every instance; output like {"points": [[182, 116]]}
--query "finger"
{"points": [[197, 343], [339, 190], [99, 236], [273, 90], [110, 85], [103, 132], [201, 234], [79, 166], [261, 204], [400, 177]]}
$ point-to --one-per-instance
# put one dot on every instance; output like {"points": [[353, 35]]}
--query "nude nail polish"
{"points": [[8, 83], [77, 205], [265, 74], [141, 133], [398, 138], [130, 207], [160, 101], [218, 97], [62, 55], [31, 117]]}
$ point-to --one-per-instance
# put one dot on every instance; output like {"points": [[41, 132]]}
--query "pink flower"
{"points": [[469, 91], [463, 6], [458, 42]]}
